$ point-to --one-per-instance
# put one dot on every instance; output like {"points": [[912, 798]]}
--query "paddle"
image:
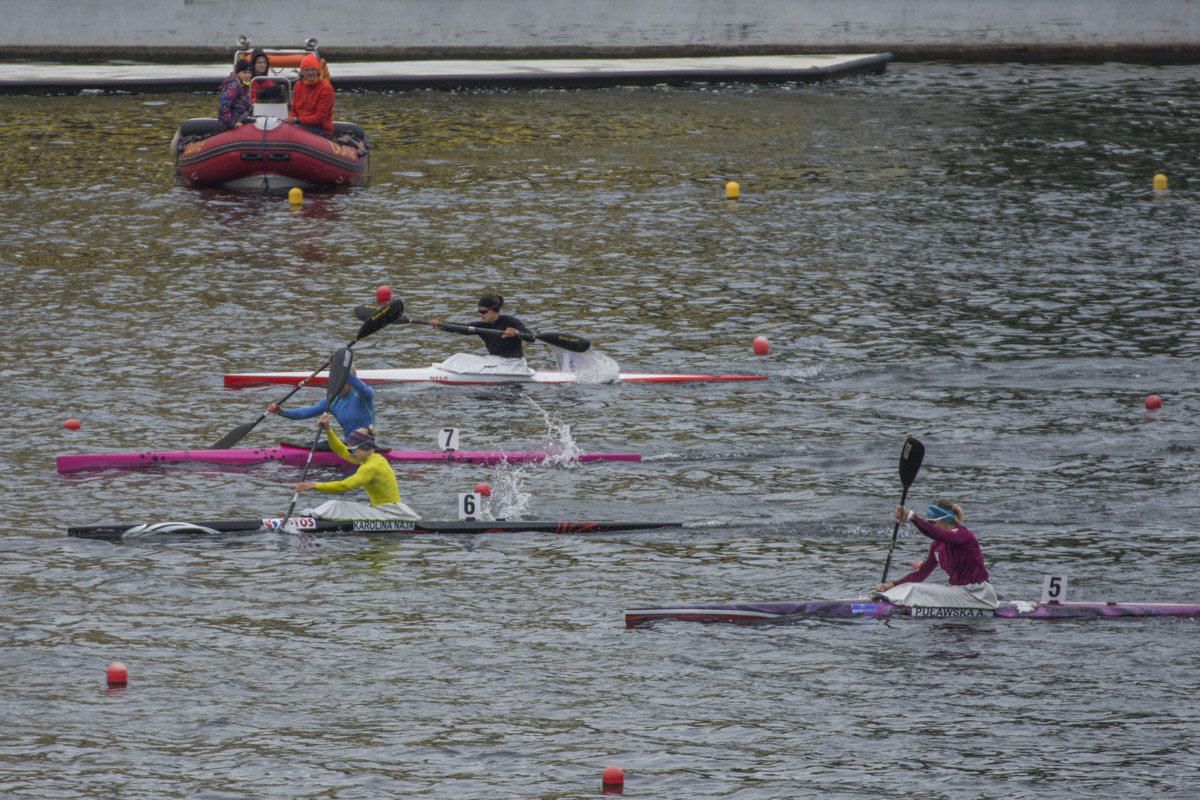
{"points": [[379, 317], [910, 462], [339, 370], [576, 344]]}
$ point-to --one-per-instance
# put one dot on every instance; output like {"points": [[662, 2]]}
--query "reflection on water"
{"points": [[973, 255]]}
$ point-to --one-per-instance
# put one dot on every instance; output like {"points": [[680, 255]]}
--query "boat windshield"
{"points": [[271, 96]]}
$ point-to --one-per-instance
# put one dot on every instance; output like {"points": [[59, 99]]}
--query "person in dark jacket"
{"points": [[233, 102], [507, 345]]}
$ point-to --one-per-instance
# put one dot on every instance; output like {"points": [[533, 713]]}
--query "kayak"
{"points": [[296, 454], [788, 611], [121, 532], [436, 374]]}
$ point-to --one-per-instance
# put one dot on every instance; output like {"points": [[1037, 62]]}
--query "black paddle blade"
{"points": [[576, 344], [380, 317], [339, 370], [366, 311], [234, 436], [910, 460]]}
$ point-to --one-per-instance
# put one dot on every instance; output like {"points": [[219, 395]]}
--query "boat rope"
{"points": [[263, 155]]}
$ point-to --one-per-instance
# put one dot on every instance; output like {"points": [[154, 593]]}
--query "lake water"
{"points": [[972, 255]]}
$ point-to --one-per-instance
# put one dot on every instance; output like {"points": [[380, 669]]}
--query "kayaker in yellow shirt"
{"points": [[374, 475]]}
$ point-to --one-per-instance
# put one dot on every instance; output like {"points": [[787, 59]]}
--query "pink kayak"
{"points": [[295, 454]]}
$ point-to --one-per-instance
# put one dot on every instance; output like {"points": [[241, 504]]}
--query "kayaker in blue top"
{"points": [[956, 550], [507, 345], [354, 407]]}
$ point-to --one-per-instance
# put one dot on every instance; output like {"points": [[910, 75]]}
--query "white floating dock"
{"points": [[38, 78]]}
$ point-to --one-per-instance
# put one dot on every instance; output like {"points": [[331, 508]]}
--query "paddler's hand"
{"points": [[304, 486], [508, 332], [436, 323], [902, 514], [324, 421], [272, 408], [883, 587]]}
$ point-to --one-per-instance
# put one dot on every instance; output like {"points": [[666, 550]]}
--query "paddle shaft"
{"points": [[910, 463], [895, 530], [576, 344], [567, 341], [381, 317], [339, 369]]}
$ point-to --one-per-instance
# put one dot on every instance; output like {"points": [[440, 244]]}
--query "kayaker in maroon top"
{"points": [[507, 345], [956, 550]]}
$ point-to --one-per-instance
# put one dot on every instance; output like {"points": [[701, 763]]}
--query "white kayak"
{"points": [[437, 374]]}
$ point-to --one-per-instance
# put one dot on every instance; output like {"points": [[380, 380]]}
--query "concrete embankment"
{"points": [[1150, 31]]}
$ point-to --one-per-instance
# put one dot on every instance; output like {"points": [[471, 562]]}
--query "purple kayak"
{"points": [[295, 454], [786, 611]]}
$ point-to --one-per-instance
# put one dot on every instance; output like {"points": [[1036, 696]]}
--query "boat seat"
{"points": [[351, 128], [200, 126]]}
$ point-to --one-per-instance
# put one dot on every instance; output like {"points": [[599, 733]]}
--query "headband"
{"points": [[936, 513]]}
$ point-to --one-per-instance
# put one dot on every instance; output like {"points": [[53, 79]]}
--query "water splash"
{"points": [[560, 446], [509, 499], [589, 367]]}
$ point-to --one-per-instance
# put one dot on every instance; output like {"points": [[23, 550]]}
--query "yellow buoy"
{"points": [[731, 190], [1160, 181], [295, 196]]}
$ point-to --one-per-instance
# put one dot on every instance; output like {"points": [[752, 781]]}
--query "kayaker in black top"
{"points": [[507, 345]]}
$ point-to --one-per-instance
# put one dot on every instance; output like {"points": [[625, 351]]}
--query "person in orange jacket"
{"points": [[312, 98]]}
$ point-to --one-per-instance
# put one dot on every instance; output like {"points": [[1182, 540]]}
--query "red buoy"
{"points": [[1153, 401], [71, 424], [613, 779], [761, 346], [383, 295], [117, 674], [483, 489]]}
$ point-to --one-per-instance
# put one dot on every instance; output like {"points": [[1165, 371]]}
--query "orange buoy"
{"points": [[383, 295], [761, 346], [72, 424], [483, 490], [612, 777], [1153, 401]]}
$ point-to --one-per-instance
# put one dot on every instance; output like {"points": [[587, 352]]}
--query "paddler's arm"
{"points": [[515, 327], [298, 413], [437, 323], [921, 570], [355, 481], [359, 386], [953, 536], [335, 444]]}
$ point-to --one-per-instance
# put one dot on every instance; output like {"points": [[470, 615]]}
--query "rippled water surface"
{"points": [[971, 255]]}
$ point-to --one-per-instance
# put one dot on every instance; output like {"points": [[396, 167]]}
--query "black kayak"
{"points": [[126, 531]]}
